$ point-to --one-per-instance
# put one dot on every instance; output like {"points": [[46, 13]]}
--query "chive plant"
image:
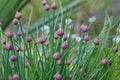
{"points": [[57, 56]]}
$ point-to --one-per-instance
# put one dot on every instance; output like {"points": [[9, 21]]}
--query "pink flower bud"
{"points": [[96, 41], [15, 21], [9, 34], [84, 28], [42, 39], [86, 38], [10, 78], [15, 77], [65, 37], [44, 2], [57, 55], [13, 58], [56, 36], [19, 33], [4, 41], [8, 46], [58, 76], [104, 62], [29, 39], [13, 67], [47, 7], [60, 32], [17, 49], [53, 6], [18, 15], [64, 45], [68, 62], [59, 62]]}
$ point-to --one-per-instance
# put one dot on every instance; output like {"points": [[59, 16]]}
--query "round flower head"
{"points": [[96, 41], [84, 28], [53, 6], [13, 67], [64, 45], [13, 58], [15, 77], [8, 46], [57, 56], [4, 41], [60, 32], [56, 36], [44, 2], [86, 38], [9, 34], [18, 15], [17, 49], [29, 39], [15, 21], [65, 37], [59, 62], [19, 33], [47, 7], [57, 76], [68, 62], [104, 62], [10, 78], [42, 39]]}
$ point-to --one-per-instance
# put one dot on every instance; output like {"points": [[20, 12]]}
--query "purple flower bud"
{"points": [[86, 38], [104, 62], [84, 28], [60, 32], [17, 49], [29, 39], [64, 45], [58, 76], [96, 41], [19, 33], [59, 62], [47, 7], [44, 2], [10, 78], [57, 55], [18, 15], [9, 34], [15, 21], [65, 37], [15, 77], [8, 46], [56, 35], [13, 58], [42, 39], [4, 41], [53, 6], [13, 67], [68, 62]]}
